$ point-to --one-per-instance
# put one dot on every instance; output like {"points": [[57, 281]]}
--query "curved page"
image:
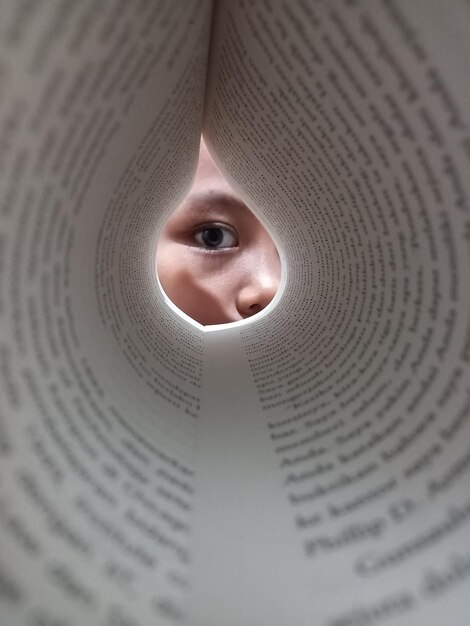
{"points": [[336, 483], [100, 118], [309, 466]]}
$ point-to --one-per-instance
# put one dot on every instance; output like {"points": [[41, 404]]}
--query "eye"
{"points": [[216, 237]]}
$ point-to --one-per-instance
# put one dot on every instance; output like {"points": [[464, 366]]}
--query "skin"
{"points": [[215, 260]]}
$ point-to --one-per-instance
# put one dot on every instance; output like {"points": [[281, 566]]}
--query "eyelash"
{"points": [[198, 235]]}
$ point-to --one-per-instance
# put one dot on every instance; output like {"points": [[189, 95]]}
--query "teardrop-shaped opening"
{"points": [[215, 261]]}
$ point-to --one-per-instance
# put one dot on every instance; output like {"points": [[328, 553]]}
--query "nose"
{"points": [[259, 290]]}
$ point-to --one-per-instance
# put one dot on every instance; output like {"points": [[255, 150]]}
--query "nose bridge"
{"points": [[265, 271], [261, 281]]}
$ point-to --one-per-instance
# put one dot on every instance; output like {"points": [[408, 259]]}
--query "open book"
{"points": [[308, 466]]}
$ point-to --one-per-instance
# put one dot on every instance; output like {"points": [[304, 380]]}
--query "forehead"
{"points": [[211, 195], [211, 198], [208, 175]]}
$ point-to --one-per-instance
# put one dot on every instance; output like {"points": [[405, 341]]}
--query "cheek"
{"points": [[200, 287], [175, 273]]}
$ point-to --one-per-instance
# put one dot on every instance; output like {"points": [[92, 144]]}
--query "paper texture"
{"points": [[309, 466]]}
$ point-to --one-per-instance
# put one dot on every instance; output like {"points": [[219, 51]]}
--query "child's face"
{"points": [[215, 260]]}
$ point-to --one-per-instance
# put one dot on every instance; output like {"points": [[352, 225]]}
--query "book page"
{"points": [[100, 119], [335, 476]]}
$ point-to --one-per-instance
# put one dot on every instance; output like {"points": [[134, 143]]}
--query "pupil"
{"points": [[212, 236]]}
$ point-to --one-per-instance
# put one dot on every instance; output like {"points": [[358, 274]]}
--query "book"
{"points": [[309, 465]]}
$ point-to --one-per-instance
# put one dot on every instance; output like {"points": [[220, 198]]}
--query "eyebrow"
{"points": [[211, 201]]}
